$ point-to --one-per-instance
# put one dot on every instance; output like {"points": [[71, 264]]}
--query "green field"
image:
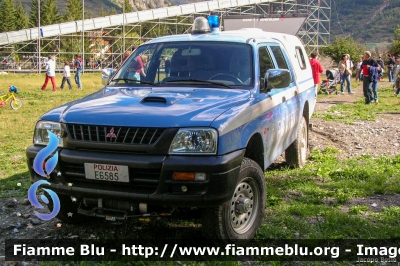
{"points": [[17, 126]]}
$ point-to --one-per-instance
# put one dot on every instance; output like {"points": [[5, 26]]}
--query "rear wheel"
{"points": [[296, 153], [16, 103], [239, 218]]}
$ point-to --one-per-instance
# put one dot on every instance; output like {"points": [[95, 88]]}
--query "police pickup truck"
{"points": [[187, 122]]}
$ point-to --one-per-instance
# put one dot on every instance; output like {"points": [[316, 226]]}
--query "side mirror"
{"points": [[276, 79], [106, 73]]}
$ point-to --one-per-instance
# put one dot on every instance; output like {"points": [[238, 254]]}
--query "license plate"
{"points": [[107, 172]]}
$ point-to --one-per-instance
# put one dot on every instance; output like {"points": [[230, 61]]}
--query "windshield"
{"points": [[210, 64]]}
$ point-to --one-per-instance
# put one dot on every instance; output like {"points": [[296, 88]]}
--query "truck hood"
{"points": [[150, 107]]}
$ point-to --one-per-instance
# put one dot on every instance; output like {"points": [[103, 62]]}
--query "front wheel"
{"points": [[296, 153], [239, 218], [16, 103]]}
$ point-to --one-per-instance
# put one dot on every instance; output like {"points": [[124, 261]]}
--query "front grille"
{"points": [[116, 134], [140, 180]]}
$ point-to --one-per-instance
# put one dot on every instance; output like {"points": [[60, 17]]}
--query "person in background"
{"points": [[78, 66], [382, 64], [367, 63], [390, 64], [359, 62], [395, 70], [350, 63], [397, 78], [136, 67], [167, 66], [345, 67], [316, 69], [50, 73], [126, 55], [66, 76], [375, 75]]}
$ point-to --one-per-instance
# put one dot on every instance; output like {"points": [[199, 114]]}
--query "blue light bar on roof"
{"points": [[213, 20]]}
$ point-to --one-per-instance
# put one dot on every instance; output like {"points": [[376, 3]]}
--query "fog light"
{"points": [[184, 188]]}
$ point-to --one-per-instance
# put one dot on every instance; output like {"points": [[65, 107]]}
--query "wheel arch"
{"points": [[255, 150]]}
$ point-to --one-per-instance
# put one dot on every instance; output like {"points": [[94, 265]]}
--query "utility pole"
{"points": [[38, 46], [123, 29], [83, 35], [318, 22]]}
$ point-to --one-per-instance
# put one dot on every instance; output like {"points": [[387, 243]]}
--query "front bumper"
{"points": [[149, 177]]}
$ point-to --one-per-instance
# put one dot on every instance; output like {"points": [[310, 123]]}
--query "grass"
{"points": [[310, 203], [16, 126], [358, 111], [313, 202]]}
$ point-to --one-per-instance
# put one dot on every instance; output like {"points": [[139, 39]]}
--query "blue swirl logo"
{"points": [[40, 160], [32, 198], [40, 165]]}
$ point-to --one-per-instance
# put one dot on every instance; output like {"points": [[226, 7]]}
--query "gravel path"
{"points": [[380, 137]]}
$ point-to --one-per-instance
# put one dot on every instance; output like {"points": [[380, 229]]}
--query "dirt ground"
{"points": [[17, 219], [380, 137]]}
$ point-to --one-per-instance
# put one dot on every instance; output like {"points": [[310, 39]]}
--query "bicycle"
{"points": [[11, 97]]}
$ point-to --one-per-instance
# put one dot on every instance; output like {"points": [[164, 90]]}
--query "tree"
{"points": [[33, 15], [7, 15], [395, 47], [21, 19], [74, 10], [50, 15], [89, 14], [397, 33], [128, 7], [112, 11], [342, 46], [102, 12]]}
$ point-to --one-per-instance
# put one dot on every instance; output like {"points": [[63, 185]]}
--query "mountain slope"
{"points": [[365, 20], [93, 5]]}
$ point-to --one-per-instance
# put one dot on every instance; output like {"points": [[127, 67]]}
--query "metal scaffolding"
{"points": [[105, 39]]}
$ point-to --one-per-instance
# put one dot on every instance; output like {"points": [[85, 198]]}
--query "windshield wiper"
{"points": [[135, 80], [201, 81]]}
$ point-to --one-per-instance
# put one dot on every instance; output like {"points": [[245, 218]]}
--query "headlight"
{"points": [[42, 137], [195, 141]]}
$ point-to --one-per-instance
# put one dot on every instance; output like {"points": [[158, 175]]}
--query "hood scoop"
{"points": [[168, 98], [154, 99]]}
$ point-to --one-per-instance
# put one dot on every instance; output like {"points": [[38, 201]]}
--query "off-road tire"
{"points": [[296, 154], [228, 224]]}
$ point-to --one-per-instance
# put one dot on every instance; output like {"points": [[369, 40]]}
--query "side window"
{"points": [[300, 57], [280, 59], [265, 60]]}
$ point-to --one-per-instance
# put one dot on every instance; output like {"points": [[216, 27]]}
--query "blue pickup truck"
{"points": [[187, 122]]}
